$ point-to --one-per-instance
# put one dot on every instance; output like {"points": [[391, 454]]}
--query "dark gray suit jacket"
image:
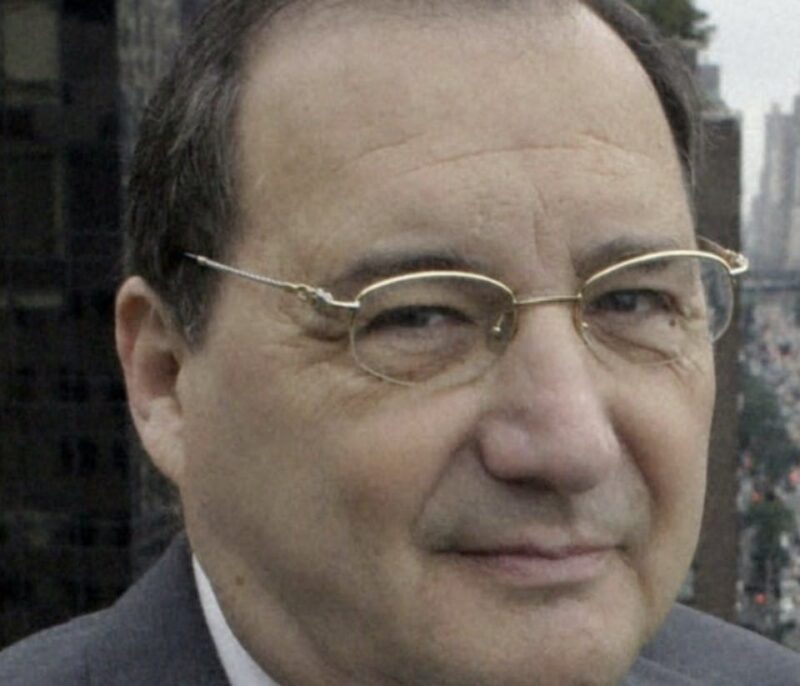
{"points": [[155, 635]]}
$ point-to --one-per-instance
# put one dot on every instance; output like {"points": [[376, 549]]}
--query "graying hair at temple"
{"points": [[182, 192]]}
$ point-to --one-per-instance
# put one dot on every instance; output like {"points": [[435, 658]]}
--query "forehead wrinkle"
{"points": [[534, 148], [594, 140], [598, 140], [361, 160], [402, 142]]}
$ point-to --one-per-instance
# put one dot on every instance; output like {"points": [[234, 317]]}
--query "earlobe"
{"points": [[151, 351]]}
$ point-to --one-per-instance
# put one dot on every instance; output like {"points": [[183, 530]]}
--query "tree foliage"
{"points": [[772, 520], [676, 18], [763, 431]]}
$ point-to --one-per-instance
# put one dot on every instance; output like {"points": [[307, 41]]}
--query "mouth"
{"points": [[542, 566]]}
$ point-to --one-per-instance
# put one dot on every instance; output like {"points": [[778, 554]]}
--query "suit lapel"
{"points": [[156, 633]]}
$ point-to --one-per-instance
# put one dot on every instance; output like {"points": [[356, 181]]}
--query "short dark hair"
{"points": [[182, 194]]}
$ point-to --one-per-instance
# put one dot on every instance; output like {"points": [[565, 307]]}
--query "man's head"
{"points": [[529, 525]]}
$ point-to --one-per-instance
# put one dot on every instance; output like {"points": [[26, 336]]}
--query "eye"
{"points": [[633, 301], [420, 337], [657, 310], [415, 318]]}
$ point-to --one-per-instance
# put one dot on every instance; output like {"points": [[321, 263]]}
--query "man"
{"points": [[416, 325]]}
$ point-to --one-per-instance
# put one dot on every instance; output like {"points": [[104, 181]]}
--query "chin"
{"points": [[561, 640], [575, 665]]}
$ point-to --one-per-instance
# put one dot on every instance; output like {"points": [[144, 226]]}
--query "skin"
{"points": [[529, 527]]}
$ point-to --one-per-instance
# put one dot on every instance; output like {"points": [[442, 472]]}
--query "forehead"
{"points": [[380, 127]]}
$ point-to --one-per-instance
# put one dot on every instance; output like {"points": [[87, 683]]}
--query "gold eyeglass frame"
{"points": [[735, 264]]}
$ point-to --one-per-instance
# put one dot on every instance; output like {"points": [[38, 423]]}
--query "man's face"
{"points": [[531, 526]]}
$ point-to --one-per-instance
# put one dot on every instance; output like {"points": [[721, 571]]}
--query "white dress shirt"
{"points": [[240, 668]]}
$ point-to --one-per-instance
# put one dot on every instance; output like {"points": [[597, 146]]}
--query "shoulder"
{"points": [[710, 651], [54, 656], [154, 634]]}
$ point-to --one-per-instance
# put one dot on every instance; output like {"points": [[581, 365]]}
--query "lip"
{"points": [[531, 565]]}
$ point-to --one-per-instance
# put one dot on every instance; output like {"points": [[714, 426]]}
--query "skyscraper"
{"points": [[773, 233]]}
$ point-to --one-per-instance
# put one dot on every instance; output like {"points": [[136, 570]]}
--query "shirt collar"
{"points": [[240, 668]]}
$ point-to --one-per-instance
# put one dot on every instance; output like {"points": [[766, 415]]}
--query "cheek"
{"points": [[391, 456], [310, 454], [665, 416], [253, 472], [666, 427]]}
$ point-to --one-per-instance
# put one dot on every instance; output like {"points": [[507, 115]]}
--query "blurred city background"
{"points": [[82, 514]]}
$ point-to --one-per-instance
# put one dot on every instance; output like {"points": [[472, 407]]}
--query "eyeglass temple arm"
{"points": [[318, 297], [739, 264], [736, 261]]}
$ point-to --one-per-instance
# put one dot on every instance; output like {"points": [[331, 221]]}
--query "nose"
{"points": [[546, 418]]}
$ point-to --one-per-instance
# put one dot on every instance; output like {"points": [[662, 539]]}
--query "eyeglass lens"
{"points": [[660, 310], [454, 326]]}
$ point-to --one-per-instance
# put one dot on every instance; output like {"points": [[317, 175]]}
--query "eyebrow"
{"points": [[605, 254], [373, 268]]}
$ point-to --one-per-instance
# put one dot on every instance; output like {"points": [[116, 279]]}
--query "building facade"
{"points": [[773, 232], [64, 456], [717, 201]]}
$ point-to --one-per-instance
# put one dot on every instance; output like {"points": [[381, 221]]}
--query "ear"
{"points": [[151, 351]]}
